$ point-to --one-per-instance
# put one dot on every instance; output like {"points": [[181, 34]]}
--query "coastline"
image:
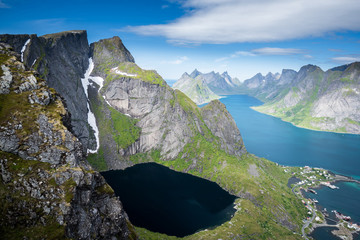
{"points": [[319, 216], [303, 127]]}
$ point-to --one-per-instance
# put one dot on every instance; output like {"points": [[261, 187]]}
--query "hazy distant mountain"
{"points": [[311, 98], [221, 84], [195, 88], [204, 87]]}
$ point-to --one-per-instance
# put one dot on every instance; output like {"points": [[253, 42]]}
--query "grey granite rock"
{"points": [[61, 59]]}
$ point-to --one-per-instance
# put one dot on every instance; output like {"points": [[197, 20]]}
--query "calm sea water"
{"points": [[346, 199], [324, 233], [162, 200], [281, 142]]}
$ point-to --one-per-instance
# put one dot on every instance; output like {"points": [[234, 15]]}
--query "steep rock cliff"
{"points": [[61, 59], [168, 119], [222, 125], [47, 189]]}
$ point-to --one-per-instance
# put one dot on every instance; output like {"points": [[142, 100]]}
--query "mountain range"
{"points": [[204, 87], [311, 98], [69, 109]]}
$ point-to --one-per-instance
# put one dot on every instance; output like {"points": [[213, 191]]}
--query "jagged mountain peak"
{"points": [[185, 75], [195, 73]]}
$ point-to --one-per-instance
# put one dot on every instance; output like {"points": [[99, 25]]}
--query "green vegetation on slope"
{"points": [[144, 75], [265, 198], [126, 132], [113, 126], [265, 201]]}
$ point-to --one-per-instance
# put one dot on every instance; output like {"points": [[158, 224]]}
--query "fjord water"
{"points": [[162, 200], [344, 199], [281, 142]]}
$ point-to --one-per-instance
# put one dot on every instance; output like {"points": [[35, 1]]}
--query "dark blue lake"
{"points": [[162, 200], [281, 142]]}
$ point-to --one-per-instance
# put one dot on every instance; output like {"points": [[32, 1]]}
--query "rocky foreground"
{"points": [[48, 190]]}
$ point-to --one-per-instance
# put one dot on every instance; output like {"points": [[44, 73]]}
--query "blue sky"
{"points": [[243, 37]]}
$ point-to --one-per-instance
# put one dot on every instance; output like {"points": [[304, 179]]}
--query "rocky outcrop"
{"points": [[222, 125], [108, 53], [61, 59], [48, 190]]}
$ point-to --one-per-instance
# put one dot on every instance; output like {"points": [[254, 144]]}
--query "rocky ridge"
{"points": [[48, 190]]}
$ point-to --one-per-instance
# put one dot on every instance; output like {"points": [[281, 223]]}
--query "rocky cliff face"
{"points": [[168, 119], [47, 188], [312, 98], [61, 59], [222, 125]]}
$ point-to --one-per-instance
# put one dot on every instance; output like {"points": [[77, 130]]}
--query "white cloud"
{"points": [[235, 55], [178, 61], [308, 56], [3, 5], [264, 51], [277, 51], [228, 21], [244, 53], [346, 59]]}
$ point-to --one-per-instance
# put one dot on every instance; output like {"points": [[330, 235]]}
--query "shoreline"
{"points": [[317, 217], [307, 128]]}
